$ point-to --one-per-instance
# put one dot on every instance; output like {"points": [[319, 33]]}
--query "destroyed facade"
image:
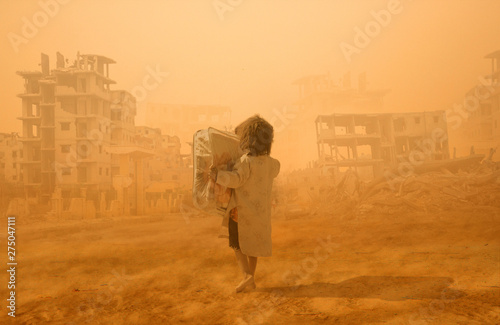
{"points": [[295, 135], [371, 143], [11, 155], [81, 148]]}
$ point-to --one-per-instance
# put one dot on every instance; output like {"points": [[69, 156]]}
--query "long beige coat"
{"points": [[252, 180]]}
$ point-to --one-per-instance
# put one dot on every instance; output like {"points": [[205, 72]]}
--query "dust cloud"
{"points": [[385, 116]]}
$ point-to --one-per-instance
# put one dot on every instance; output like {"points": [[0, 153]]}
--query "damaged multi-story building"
{"points": [[66, 116], [11, 155], [11, 176], [79, 137], [372, 143], [318, 95]]}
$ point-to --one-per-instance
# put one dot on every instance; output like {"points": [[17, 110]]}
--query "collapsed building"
{"points": [[318, 95], [371, 143]]}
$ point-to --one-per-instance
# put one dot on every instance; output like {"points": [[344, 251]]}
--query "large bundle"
{"points": [[220, 149]]}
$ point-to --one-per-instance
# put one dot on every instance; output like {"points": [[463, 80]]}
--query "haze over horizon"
{"points": [[428, 55], [363, 204]]}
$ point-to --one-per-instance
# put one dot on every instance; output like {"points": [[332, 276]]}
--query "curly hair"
{"points": [[256, 136]]}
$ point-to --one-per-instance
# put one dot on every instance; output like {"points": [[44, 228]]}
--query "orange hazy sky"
{"points": [[428, 55]]}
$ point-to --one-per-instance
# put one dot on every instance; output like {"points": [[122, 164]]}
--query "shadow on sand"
{"points": [[392, 288]]}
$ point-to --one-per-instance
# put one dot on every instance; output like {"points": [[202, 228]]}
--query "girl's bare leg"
{"points": [[252, 264], [242, 260]]}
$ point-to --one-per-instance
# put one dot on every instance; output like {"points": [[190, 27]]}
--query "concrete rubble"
{"points": [[455, 184]]}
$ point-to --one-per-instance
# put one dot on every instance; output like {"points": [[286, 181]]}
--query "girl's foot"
{"points": [[252, 285], [247, 281]]}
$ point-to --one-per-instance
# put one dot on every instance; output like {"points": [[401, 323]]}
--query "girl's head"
{"points": [[256, 136]]}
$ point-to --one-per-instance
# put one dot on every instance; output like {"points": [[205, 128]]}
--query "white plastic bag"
{"points": [[218, 148]]}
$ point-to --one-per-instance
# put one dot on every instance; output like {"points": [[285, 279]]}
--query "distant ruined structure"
{"points": [[476, 128], [369, 143], [184, 120], [319, 95]]}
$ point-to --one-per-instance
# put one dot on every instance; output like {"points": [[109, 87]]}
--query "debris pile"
{"points": [[470, 185]]}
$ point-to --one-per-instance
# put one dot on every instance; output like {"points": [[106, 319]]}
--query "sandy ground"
{"points": [[405, 268]]}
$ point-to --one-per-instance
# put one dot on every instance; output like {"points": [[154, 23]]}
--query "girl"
{"points": [[249, 211]]}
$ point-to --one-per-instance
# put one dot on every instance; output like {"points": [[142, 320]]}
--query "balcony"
{"points": [[328, 160], [329, 134], [29, 118], [31, 139], [28, 95], [31, 162], [87, 116], [34, 183], [326, 134], [65, 91]]}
